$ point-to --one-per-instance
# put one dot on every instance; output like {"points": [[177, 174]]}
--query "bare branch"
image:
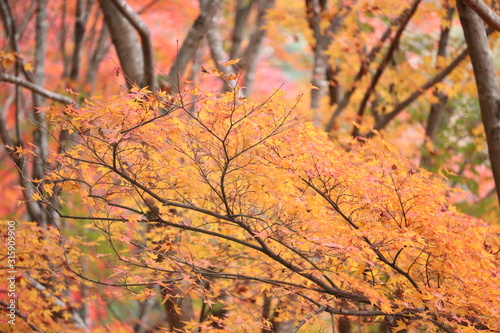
{"points": [[27, 17], [37, 89]]}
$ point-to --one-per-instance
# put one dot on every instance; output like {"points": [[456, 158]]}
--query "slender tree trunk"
{"points": [[242, 10], [80, 23], [278, 325], [178, 306], [344, 324], [251, 55], [177, 321], [486, 82], [320, 72], [191, 42], [334, 88], [96, 59], [40, 135], [437, 109]]}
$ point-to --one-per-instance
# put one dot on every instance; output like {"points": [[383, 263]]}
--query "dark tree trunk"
{"points": [[486, 82]]}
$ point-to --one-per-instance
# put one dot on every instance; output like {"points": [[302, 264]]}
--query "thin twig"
{"points": [[309, 316]]}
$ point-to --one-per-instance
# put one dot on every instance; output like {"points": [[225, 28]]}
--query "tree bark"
{"points": [[177, 321], [281, 325], [486, 82], [80, 22], [147, 50], [126, 42]]}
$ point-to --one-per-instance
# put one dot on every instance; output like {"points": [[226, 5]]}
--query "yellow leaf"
{"points": [[401, 326], [36, 196], [230, 62], [29, 67], [310, 86], [49, 188]]}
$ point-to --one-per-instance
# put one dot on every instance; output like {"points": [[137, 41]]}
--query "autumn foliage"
{"points": [[157, 185], [238, 203]]}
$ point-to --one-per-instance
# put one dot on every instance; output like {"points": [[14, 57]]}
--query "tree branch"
{"points": [[37, 89], [309, 316], [77, 319], [407, 15], [429, 84], [363, 70]]}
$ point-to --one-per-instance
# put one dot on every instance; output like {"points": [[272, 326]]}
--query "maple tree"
{"points": [[192, 208]]}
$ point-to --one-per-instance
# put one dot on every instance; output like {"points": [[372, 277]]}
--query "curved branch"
{"points": [[487, 15]]}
